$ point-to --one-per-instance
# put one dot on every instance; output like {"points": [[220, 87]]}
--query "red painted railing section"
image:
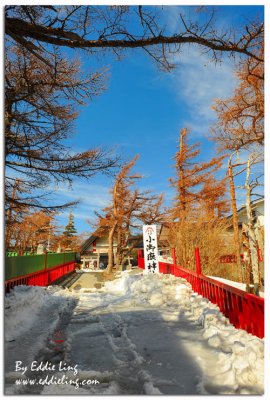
{"points": [[244, 310], [41, 278]]}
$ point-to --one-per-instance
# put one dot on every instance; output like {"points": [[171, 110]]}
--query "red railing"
{"points": [[244, 310], [41, 278]]}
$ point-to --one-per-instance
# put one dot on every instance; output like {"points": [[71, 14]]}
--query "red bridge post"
{"points": [[198, 270], [198, 261], [174, 256]]}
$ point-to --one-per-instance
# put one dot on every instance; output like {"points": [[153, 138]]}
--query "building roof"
{"points": [[94, 236], [254, 203], [97, 234], [88, 242]]}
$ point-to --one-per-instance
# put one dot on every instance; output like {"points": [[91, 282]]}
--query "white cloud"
{"points": [[197, 82], [92, 195], [172, 18]]}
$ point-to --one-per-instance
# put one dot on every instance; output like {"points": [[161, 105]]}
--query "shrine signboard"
{"points": [[150, 248]]}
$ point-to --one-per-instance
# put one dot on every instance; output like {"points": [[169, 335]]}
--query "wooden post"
{"points": [[198, 261]]}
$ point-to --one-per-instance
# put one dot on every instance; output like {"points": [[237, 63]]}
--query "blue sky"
{"points": [[142, 111]]}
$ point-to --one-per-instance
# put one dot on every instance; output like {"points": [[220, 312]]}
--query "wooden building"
{"points": [[94, 251]]}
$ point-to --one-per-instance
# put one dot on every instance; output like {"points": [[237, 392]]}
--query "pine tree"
{"points": [[70, 230]]}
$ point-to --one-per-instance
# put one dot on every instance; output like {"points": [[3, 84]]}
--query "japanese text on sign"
{"points": [[150, 248]]}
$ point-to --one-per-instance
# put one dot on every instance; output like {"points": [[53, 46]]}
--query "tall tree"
{"points": [[237, 242], [13, 212], [249, 229], [40, 109], [70, 229], [236, 170], [190, 176], [32, 229], [241, 117], [240, 129], [199, 204], [69, 236], [130, 208]]}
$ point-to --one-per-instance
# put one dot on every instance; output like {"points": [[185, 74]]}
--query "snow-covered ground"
{"points": [[140, 334]]}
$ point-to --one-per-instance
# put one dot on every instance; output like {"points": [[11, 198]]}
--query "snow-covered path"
{"points": [[145, 334]]}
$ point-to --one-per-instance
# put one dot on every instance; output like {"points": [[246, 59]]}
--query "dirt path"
{"points": [[88, 280]]}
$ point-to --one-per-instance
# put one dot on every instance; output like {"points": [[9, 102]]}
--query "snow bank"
{"points": [[240, 365], [121, 285], [240, 355], [22, 306], [156, 290], [231, 360]]}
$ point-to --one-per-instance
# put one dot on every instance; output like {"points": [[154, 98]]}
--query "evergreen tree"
{"points": [[70, 229]]}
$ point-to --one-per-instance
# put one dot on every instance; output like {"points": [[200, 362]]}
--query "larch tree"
{"points": [[191, 174], [129, 209], [240, 129], [25, 234], [237, 241], [241, 118], [40, 109], [213, 201], [199, 205]]}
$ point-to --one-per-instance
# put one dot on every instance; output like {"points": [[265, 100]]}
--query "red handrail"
{"points": [[41, 278], [244, 310]]}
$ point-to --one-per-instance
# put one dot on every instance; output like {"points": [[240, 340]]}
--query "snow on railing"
{"points": [[244, 310]]}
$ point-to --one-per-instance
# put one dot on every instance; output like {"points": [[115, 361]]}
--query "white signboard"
{"points": [[150, 248]]}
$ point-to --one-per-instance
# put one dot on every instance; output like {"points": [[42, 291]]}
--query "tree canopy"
{"points": [[41, 105], [195, 184], [122, 27], [44, 88], [241, 118]]}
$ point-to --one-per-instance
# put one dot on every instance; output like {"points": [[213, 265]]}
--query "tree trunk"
{"points": [[259, 232], [110, 249], [10, 217], [253, 245], [235, 222], [119, 242]]}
